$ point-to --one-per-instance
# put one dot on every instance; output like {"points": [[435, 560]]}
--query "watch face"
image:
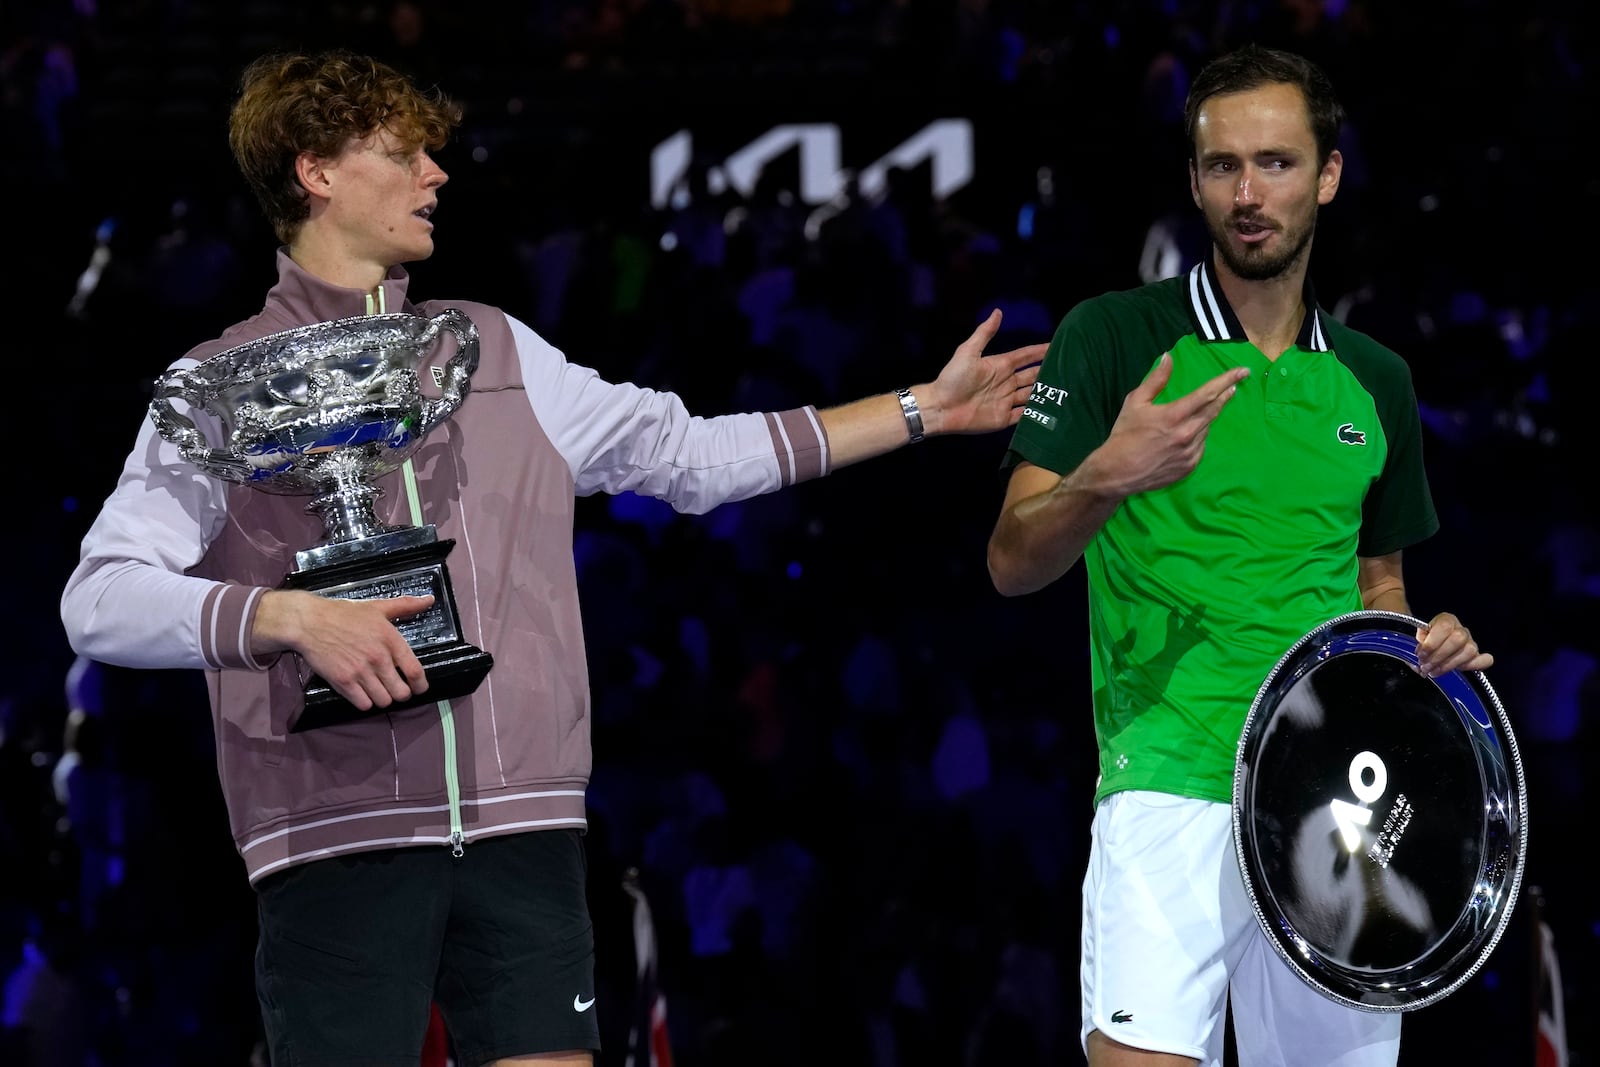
{"points": [[1380, 817]]}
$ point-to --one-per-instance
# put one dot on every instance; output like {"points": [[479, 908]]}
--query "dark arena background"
{"points": [[853, 780]]}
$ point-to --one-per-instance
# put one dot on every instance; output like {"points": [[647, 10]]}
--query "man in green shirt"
{"points": [[1234, 468]]}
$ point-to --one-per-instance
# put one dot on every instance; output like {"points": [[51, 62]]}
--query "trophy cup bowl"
{"points": [[324, 411]]}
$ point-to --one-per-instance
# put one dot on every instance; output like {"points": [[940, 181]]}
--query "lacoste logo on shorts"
{"points": [[579, 1004], [1122, 1016]]}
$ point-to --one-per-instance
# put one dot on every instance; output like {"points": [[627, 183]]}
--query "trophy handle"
{"points": [[459, 369], [181, 431]]}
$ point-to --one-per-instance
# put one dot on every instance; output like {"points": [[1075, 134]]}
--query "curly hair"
{"points": [[291, 103], [1252, 67]]}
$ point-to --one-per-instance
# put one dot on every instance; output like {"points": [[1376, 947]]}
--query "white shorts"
{"points": [[1168, 926]]}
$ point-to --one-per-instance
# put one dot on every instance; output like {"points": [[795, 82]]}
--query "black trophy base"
{"points": [[387, 566], [452, 671]]}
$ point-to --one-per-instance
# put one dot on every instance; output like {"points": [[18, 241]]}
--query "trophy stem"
{"points": [[347, 508]]}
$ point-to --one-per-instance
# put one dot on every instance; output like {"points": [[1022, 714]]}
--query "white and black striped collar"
{"points": [[1215, 321]]}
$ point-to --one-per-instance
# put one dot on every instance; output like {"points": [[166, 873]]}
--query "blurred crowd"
{"points": [[855, 781]]}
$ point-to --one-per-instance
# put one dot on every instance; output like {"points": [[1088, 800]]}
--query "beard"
{"points": [[1253, 263]]}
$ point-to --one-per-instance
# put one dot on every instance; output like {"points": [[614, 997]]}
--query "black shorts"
{"points": [[353, 949]]}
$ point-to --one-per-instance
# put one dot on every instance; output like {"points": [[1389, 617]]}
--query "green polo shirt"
{"points": [[1197, 590]]}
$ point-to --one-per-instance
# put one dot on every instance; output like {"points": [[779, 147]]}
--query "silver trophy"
{"points": [[325, 410]]}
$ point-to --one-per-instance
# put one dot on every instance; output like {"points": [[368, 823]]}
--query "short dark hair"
{"points": [[291, 103], [1250, 67]]}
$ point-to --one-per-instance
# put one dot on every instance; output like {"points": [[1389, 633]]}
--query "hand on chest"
{"points": [[1300, 431]]}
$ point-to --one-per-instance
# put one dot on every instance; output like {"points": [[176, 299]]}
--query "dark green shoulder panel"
{"points": [[1399, 510], [1377, 367], [1144, 322], [1102, 348]]}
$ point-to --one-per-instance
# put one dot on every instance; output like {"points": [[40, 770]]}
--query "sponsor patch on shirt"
{"points": [[1044, 397], [1047, 394]]}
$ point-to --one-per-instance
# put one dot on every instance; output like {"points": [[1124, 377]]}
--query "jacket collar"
{"points": [[1214, 319], [306, 298]]}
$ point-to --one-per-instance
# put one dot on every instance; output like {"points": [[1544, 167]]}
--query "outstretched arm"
{"points": [[974, 393], [620, 437]]}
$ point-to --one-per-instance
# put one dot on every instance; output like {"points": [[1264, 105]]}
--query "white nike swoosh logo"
{"points": [[579, 1004]]}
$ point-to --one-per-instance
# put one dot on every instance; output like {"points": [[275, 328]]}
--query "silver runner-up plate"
{"points": [[1380, 817]]}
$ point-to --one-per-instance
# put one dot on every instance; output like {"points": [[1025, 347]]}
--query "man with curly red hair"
{"points": [[430, 855]]}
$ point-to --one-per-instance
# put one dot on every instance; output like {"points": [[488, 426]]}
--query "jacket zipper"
{"points": [[447, 721], [452, 779]]}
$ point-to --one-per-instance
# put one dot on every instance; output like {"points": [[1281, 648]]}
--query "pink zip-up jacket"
{"points": [[174, 566]]}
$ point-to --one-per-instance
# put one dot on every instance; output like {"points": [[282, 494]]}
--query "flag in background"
{"points": [[648, 1045], [1550, 1025]]}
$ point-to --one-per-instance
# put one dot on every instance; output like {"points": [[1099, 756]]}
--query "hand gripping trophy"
{"points": [[324, 410]]}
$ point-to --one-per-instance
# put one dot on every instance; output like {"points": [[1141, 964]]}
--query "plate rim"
{"points": [[1397, 622]]}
